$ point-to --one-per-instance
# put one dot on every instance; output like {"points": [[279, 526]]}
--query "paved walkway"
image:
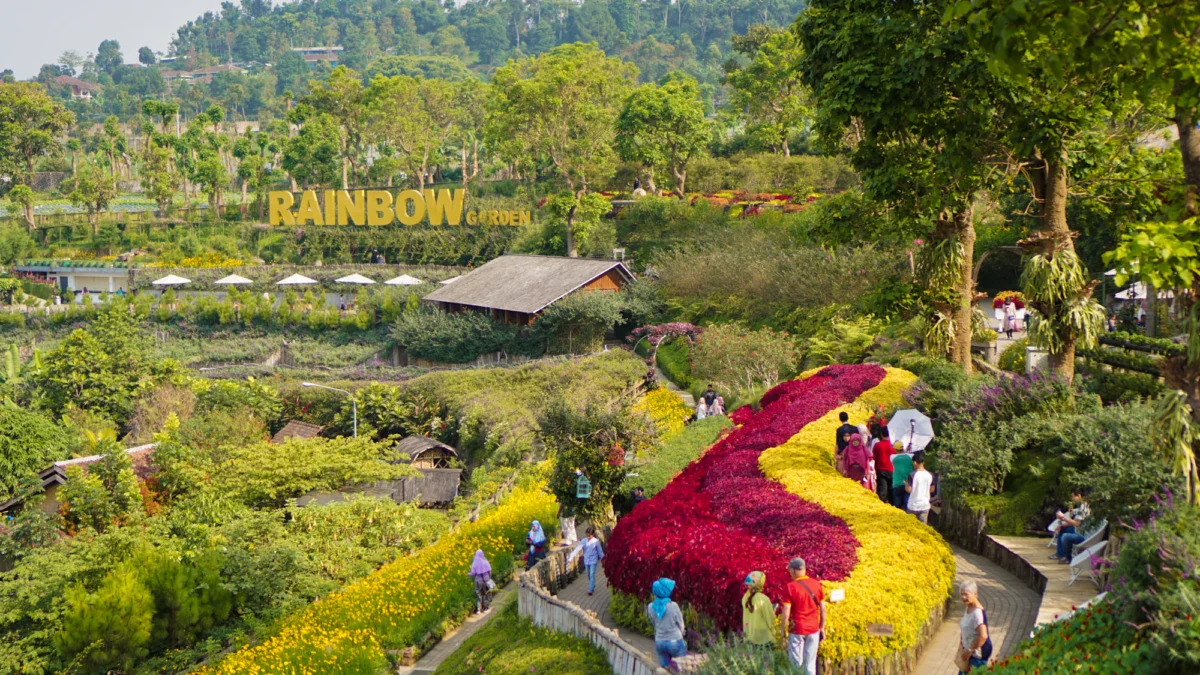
{"points": [[1012, 609], [598, 604], [1059, 597], [687, 397], [453, 640]]}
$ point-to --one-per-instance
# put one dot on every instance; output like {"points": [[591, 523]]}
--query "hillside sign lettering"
{"points": [[379, 207]]}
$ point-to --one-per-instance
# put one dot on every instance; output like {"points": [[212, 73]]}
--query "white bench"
{"points": [[1083, 560]]}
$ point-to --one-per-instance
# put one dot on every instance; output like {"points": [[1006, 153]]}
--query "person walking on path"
{"points": [[858, 460], [846, 428], [593, 553], [920, 489], [803, 617], [566, 526], [481, 573], [701, 409], [883, 466], [976, 648], [536, 540], [1010, 318], [902, 468], [1069, 523], [758, 614], [667, 620]]}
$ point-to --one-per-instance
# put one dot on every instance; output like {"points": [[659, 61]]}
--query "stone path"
{"points": [[453, 640], [1059, 597], [598, 605], [1012, 610], [687, 397]]}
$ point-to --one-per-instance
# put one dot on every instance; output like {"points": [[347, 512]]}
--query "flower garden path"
{"points": [[598, 605], [686, 397], [455, 638], [1012, 612]]}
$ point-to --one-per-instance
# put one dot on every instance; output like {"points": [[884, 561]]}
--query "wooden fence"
{"points": [[535, 601]]}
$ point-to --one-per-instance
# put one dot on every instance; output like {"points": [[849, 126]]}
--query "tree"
{"points": [[663, 127], [29, 441], [93, 189], [311, 156], [470, 102], [109, 628], [918, 98], [160, 180], [768, 88], [30, 123], [22, 195], [560, 108], [108, 56], [108, 492], [341, 97], [71, 62], [146, 56]]}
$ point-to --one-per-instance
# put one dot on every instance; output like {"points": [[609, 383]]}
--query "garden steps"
{"points": [[1031, 554], [454, 639], [1011, 608], [686, 397]]}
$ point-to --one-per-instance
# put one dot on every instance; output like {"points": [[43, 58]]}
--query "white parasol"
{"points": [[170, 280], [404, 280], [356, 279], [233, 279], [910, 429], [296, 280]]}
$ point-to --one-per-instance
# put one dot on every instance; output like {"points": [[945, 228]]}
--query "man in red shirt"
{"points": [[804, 605], [883, 466]]}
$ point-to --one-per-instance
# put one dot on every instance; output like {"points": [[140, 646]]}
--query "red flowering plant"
{"points": [[721, 518]]}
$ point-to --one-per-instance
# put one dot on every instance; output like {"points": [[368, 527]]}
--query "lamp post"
{"points": [[353, 401]]}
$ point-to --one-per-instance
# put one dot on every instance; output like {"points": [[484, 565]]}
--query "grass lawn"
{"points": [[512, 645]]}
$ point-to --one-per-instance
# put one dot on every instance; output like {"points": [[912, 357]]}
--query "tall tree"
{"points": [[767, 88], [663, 127], [30, 124], [921, 105], [108, 56], [560, 108], [341, 97]]}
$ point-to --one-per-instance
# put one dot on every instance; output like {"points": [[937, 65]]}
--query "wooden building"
{"points": [[517, 288], [296, 429], [426, 453], [55, 476]]}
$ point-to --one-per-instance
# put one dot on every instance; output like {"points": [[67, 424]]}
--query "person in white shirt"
{"points": [[920, 489]]}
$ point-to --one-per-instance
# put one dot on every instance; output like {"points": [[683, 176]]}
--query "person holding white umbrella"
{"points": [[910, 431]]}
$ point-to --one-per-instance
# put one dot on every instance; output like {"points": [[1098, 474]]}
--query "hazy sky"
{"points": [[37, 31]]}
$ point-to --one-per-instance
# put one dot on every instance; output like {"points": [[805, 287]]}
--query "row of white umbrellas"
{"points": [[295, 280]]}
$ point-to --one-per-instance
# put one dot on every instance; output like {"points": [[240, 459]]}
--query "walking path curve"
{"points": [[597, 604], [1012, 611], [454, 639]]}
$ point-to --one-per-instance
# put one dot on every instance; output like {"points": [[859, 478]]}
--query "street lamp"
{"points": [[353, 401]]}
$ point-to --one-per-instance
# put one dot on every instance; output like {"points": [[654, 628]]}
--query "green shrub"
{"points": [[630, 611], [737, 359], [667, 461], [1012, 358], [1115, 386], [109, 628], [735, 656], [675, 361], [842, 341], [933, 371], [29, 442], [451, 338], [511, 645], [577, 324]]}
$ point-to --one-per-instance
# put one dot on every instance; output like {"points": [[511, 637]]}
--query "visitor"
{"points": [[869, 443], [804, 614], [882, 451], [758, 614], [566, 526], [902, 468], [536, 540], [639, 496], [667, 620], [920, 486], [858, 460], [1068, 524], [839, 456], [701, 409], [718, 407], [481, 573], [1112, 322], [710, 396], [975, 648], [842, 439], [1010, 318], [593, 553], [998, 312]]}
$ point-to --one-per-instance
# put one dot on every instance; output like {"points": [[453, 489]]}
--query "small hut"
{"points": [[426, 453], [296, 429]]}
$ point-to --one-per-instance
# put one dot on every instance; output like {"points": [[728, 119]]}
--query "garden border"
{"points": [[902, 662], [534, 600]]}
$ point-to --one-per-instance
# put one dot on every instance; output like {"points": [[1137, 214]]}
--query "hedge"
{"points": [[677, 453]]}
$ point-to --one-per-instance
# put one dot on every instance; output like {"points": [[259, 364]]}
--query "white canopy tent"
{"points": [[356, 279], [404, 280], [170, 280], [233, 279], [295, 280]]}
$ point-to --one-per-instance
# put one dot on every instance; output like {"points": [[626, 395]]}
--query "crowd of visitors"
{"points": [[899, 477], [711, 404]]}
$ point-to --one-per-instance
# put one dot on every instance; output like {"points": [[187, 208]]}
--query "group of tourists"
{"points": [[711, 404], [899, 477]]}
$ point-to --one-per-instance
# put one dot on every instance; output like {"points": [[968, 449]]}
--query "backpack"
{"points": [[985, 651]]}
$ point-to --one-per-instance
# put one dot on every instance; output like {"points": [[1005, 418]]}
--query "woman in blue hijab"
{"points": [[537, 545], [667, 620]]}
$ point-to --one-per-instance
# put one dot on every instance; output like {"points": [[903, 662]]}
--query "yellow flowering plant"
{"points": [[904, 568], [665, 410], [351, 630]]}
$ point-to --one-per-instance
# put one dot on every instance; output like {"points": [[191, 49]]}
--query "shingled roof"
{"points": [[414, 446], [524, 283], [296, 429]]}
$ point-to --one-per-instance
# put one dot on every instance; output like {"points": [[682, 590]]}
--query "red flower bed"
{"points": [[721, 518]]}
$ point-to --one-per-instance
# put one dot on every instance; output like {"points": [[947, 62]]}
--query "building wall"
{"points": [[611, 281]]}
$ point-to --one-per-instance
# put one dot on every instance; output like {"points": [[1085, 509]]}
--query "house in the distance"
{"points": [[518, 288], [426, 453], [55, 476], [80, 89], [314, 55]]}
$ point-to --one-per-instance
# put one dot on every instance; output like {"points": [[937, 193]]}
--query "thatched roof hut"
{"points": [[424, 452]]}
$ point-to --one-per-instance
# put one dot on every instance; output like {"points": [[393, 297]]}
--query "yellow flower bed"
{"points": [[904, 568], [396, 606], [666, 410]]}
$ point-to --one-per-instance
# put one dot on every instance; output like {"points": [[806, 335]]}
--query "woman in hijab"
{"points": [[869, 442], [858, 460], [667, 620], [758, 615], [481, 572], [537, 544]]}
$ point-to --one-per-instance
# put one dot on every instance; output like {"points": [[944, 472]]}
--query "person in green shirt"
{"points": [[902, 468], [758, 614]]}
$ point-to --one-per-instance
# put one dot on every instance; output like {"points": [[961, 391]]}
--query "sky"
{"points": [[37, 31]]}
